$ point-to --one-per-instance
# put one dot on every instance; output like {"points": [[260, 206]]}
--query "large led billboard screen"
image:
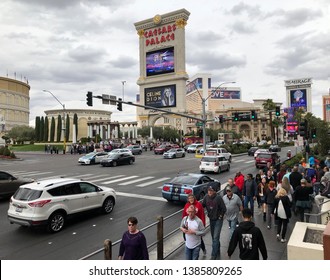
{"points": [[298, 98], [160, 97], [160, 62]]}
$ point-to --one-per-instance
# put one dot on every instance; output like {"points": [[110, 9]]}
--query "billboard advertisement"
{"points": [[160, 62], [197, 83], [160, 97], [226, 94], [298, 98], [291, 124]]}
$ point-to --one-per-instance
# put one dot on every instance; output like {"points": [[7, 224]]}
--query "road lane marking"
{"points": [[107, 177], [118, 180], [141, 196], [152, 182], [135, 181]]}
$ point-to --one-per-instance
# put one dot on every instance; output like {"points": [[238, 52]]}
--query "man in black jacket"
{"points": [[216, 210], [249, 238]]}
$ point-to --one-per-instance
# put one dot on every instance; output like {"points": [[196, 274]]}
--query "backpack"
{"points": [[326, 190]]}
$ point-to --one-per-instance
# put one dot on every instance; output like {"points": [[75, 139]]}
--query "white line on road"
{"points": [[154, 181], [137, 180], [141, 196], [118, 180]]}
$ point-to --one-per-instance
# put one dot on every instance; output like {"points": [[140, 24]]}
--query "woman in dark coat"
{"points": [[282, 211]]}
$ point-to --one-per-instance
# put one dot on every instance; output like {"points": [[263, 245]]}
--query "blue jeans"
{"points": [[247, 200], [215, 226], [192, 254], [232, 225]]}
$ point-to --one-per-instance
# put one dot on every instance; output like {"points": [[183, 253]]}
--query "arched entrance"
{"points": [[245, 129]]}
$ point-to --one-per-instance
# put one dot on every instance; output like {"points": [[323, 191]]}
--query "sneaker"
{"points": [[283, 240], [204, 253], [278, 237], [268, 227]]}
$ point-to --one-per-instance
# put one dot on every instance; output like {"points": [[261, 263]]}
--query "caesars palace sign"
{"points": [[160, 35]]}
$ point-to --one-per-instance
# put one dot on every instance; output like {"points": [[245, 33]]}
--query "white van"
{"points": [[214, 164]]}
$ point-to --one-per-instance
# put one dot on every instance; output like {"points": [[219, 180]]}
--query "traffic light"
{"points": [[119, 105], [277, 111], [253, 115], [313, 132], [303, 128], [235, 117], [89, 98], [220, 118]]}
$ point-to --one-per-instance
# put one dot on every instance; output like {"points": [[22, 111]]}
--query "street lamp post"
{"points": [[63, 125], [204, 109], [123, 83]]}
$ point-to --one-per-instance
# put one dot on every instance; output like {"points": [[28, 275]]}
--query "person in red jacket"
{"points": [[239, 180], [200, 214]]}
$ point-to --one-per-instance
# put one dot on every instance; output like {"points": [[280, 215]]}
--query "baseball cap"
{"points": [[303, 181], [228, 189]]}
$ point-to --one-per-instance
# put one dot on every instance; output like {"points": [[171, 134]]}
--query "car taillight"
{"points": [[39, 203], [166, 188], [187, 191]]}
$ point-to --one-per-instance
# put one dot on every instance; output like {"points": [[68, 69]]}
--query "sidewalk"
{"points": [[276, 250]]}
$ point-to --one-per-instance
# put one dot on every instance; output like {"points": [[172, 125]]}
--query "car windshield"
{"points": [[26, 194], [184, 180], [208, 159], [90, 155], [172, 151], [264, 156]]}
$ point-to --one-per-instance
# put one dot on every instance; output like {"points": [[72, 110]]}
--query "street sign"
{"points": [[105, 99], [113, 99], [199, 124]]}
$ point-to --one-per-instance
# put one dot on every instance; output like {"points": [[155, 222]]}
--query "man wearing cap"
{"points": [[216, 210], [234, 206]]}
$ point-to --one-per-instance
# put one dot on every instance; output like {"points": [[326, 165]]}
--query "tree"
{"points": [[270, 106], [67, 127], [42, 128], [21, 133], [46, 130], [52, 130], [75, 122], [37, 129], [59, 128]]}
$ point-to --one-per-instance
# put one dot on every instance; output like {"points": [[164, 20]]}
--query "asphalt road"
{"points": [[138, 190]]}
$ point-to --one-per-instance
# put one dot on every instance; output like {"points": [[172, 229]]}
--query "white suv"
{"points": [[50, 202]]}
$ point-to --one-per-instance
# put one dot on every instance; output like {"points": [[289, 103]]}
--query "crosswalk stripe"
{"points": [[141, 196], [154, 181], [102, 179], [240, 160], [250, 161], [30, 173], [118, 180], [135, 181]]}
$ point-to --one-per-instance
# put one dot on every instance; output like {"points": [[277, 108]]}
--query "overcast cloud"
{"points": [[71, 47]]}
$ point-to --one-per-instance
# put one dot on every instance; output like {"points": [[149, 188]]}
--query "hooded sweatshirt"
{"points": [[250, 241]]}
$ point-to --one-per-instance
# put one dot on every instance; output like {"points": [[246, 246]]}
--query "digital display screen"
{"points": [[160, 62], [160, 97]]}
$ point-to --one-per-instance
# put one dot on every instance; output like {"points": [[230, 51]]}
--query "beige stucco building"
{"points": [[14, 103]]}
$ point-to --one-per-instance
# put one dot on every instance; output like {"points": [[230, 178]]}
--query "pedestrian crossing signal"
{"points": [[236, 117], [277, 111], [253, 115]]}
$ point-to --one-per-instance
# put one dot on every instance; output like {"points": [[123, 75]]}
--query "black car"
{"points": [[118, 159], [252, 150], [274, 148], [9, 183]]}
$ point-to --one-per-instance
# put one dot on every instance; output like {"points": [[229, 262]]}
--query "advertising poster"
{"points": [[160, 97], [298, 98], [226, 94], [197, 83]]}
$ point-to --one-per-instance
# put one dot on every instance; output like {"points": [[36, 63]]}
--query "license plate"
{"points": [[175, 197], [207, 164], [18, 209]]}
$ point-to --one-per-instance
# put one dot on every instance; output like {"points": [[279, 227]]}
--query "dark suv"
{"points": [[263, 158]]}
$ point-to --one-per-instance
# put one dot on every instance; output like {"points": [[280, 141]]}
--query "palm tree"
{"points": [[270, 106]]}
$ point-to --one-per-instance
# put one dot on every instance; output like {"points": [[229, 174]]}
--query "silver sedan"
{"points": [[174, 153]]}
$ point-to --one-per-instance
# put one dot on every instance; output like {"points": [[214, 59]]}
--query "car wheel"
{"points": [[114, 163], [219, 170], [229, 159], [108, 205], [56, 222], [140, 152], [174, 156], [130, 161], [183, 155], [202, 171]]}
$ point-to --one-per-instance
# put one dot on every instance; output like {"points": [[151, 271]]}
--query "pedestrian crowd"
{"points": [[277, 194]]}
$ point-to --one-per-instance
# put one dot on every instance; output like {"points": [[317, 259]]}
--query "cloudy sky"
{"points": [[70, 47]]}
